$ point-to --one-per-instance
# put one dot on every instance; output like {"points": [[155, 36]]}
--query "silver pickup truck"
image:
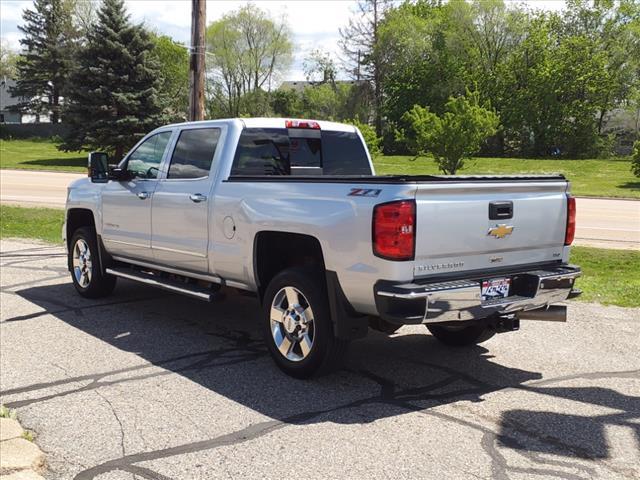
{"points": [[292, 211]]}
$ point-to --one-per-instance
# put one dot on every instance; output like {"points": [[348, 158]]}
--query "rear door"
{"points": [[480, 225], [181, 203]]}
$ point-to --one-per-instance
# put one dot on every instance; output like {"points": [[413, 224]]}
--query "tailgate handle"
{"points": [[500, 210]]}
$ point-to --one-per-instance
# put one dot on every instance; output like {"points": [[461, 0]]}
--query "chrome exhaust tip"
{"points": [[552, 313]]}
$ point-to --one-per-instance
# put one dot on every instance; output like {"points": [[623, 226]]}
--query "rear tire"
{"points": [[461, 336], [297, 325], [84, 264]]}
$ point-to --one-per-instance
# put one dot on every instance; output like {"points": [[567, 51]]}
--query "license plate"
{"points": [[495, 288]]}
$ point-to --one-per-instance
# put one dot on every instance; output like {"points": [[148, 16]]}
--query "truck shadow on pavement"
{"points": [[218, 346]]}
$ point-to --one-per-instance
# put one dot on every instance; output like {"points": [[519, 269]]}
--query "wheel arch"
{"points": [[275, 251], [85, 217], [78, 218]]}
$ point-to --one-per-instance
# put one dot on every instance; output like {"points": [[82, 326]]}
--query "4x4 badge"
{"points": [[500, 231]]}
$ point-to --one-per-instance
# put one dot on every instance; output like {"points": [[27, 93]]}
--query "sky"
{"points": [[314, 23]]}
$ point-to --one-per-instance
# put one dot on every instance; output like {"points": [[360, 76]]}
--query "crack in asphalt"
{"points": [[98, 382], [115, 415]]}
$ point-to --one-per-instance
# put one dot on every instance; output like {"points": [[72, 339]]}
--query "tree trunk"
{"points": [[55, 106]]}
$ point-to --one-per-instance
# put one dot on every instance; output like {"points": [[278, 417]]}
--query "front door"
{"points": [[182, 204], [126, 205]]}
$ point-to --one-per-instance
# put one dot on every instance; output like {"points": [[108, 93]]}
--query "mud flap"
{"points": [[347, 323]]}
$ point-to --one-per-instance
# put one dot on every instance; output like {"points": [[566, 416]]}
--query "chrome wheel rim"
{"points": [[292, 326], [82, 263]]}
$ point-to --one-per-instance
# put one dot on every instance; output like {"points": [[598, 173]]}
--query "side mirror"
{"points": [[98, 167], [119, 174]]}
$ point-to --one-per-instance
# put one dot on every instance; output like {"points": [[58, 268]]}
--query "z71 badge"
{"points": [[364, 192]]}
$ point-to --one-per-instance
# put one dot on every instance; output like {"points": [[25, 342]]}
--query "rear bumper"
{"points": [[461, 300]]}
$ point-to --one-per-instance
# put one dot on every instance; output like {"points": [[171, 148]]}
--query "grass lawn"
{"points": [[610, 276], [40, 154], [594, 178], [41, 223]]}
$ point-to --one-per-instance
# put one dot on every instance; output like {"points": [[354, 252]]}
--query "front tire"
{"points": [[297, 324], [84, 264], [461, 336]]}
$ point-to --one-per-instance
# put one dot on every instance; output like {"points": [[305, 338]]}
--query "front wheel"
{"points": [[461, 336], [297, 324], [84, 263]]}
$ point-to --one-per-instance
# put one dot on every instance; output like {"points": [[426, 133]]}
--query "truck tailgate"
{"points": [[455, 231]]}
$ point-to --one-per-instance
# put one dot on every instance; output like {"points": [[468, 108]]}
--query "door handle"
{"points": [[197, 197], [143, 195]]}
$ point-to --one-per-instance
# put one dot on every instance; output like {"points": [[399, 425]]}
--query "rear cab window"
{"points": [[299, 151]]}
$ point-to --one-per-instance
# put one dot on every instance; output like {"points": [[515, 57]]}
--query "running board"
{"points": [[148, 279]]}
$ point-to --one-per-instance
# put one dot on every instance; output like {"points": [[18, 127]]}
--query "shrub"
{"points": [[452, 137], [370, 138], [635, 159]]}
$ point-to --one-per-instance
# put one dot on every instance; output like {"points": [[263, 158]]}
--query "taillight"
{"points": [[571, 221], [394, 230], [302, 124]]}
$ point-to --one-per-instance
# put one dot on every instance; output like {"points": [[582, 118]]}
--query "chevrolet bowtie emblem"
{"points": [[500, 231]]}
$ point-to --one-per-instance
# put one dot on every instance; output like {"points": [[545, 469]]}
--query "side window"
{"points": [[145, 161], [194, 153], [262, 151], [344, 154]]}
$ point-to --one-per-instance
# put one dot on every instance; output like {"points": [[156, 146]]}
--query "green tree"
{"points": [[418, 66], [635, 159], [84, 14], [174, 68], [453, 136], [368, 132], [552, 90], [114, 99], [45, 63], [8, 60], [359, 42], [286, 103], [319, 66], [323, 101], [247, 51]]}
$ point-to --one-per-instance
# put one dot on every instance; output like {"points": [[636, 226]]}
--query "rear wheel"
{"points": [[461, 336], [84, 263], [297, 325]]}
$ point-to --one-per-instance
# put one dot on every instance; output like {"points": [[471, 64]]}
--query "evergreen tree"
{"points": [[43, 69], [114, 97]]}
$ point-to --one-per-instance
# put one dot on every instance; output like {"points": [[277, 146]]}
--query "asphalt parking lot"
{"points": [[150, 385]]}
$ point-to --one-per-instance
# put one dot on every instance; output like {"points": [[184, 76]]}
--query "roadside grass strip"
{"points": [[40, 223]]}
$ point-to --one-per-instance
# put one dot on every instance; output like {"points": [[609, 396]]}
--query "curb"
{"points": [[20, 459]]}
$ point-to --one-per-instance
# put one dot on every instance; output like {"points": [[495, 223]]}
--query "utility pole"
{"points": [[196, 63]]}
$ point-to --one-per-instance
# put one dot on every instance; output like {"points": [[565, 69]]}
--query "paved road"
{"points": [[608, 223], [150, 385], [34, 188], [601, 223]]}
